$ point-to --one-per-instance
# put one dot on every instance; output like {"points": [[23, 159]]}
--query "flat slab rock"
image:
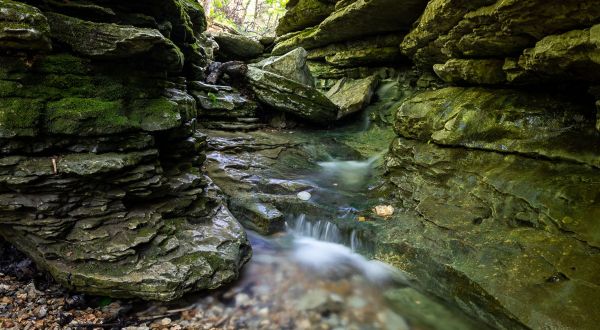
{"points": [[352, 95], [291, 96]]}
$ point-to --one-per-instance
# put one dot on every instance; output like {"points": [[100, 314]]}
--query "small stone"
{"points": [[384, 210], [42, 312], [304, 195], [165, 321]]}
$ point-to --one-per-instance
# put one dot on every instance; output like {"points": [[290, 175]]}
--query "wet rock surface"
{"points": [[99, 163]]}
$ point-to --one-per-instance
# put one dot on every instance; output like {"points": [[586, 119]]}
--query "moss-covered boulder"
{"points": [[291, 65], [290, 96], [472, 71], [237, 47], [572, 55], [371, 51], [352, 95], [111, 41], [359, 19], [23, 27]]}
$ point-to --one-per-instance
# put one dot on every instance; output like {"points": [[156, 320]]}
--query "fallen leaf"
{"points": [[384, 211]]}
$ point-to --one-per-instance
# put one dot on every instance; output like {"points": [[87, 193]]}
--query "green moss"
{"points": [[62, 64], [19, 117], [9, 88], [155, 114], [86, 116]]}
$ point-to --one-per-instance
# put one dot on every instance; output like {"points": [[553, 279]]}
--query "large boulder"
{"points": [[23, 27], [112, 41], [291, 65], [352, 95], [370, 51], [291, 96], [237, 47]]}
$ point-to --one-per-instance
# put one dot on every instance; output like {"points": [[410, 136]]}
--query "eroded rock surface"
{"points": [[100, 179]]}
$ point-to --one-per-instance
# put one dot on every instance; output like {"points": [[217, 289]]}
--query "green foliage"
{"points": [[247, 16], [212, 98]]}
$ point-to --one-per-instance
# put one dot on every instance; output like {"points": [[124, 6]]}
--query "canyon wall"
{"points": [[497, 153], [100, 179]]}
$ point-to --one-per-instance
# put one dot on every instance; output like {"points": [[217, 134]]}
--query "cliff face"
{"points": [[498, 148], [99, 163]]}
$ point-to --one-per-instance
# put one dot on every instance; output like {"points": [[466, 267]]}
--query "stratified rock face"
{"points": [[490, 233], [531, 36], [100, 179], [305, 13], [359, 19], [497, 166]]}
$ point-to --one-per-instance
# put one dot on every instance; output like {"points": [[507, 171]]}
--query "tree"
{"points": [[246, 16]]}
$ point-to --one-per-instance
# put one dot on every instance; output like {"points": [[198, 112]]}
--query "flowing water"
{"points": [[314, 275]]}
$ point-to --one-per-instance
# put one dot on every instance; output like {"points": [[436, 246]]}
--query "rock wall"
{"points": [[496, 164], [99, 160]]}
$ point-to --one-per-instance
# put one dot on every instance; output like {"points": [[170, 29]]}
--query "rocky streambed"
{"points": [[455, 141]]}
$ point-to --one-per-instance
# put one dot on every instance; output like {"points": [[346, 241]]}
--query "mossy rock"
{"points": [[237, 47], [472, 71], [156, 114], [359, 19], [112, 41], [502, 120], [304, 14], [19, 117], [23, 27], [86, 116]]}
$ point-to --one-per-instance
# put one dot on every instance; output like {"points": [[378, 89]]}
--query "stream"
{"points": [[315, 273]]}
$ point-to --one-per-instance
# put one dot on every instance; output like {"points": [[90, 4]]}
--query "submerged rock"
{"points": [[352, 95], [290, 96]]}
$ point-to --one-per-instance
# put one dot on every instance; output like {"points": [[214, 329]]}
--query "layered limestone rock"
{"points": [[352, 95], [492, 233], [351, 40], [237, 47], [497, 168], [359, 19], [291, 96], [100, 179]]}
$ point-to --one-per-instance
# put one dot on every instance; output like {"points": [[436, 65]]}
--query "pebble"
{"points": [[304, 195]]}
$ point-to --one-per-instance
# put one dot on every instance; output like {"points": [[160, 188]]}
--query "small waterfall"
{"points": [[320, 230], [325, 231]]}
